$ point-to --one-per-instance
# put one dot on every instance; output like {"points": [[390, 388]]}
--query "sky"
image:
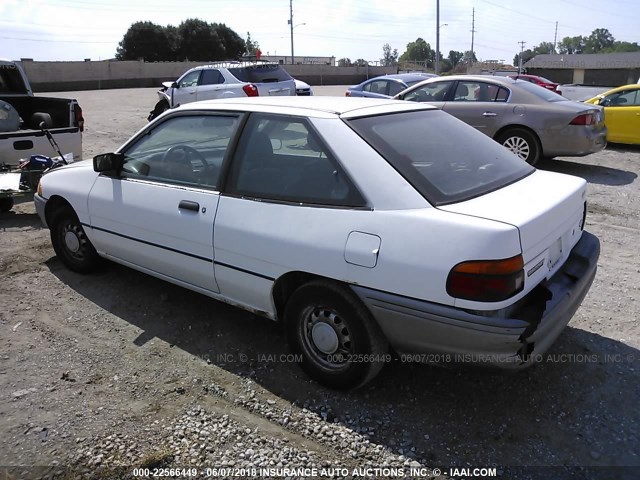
{"points": [[51, 30]]}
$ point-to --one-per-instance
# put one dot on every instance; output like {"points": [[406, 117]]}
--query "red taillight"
{"points": [[584, 119], [77, 112], [347, 93], [251, 90], [487, 280]]}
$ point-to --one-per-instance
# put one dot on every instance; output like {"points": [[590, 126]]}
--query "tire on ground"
{"points": [[341, 344], [70, 242], [522, 142]]}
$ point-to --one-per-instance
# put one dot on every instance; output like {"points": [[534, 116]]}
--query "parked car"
{"points": [[622, 113], [359, 224], [303, 89], [225, 80], [543, 82], [531, 121], [386, 86]]}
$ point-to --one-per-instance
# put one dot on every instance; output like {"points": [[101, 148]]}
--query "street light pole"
{"points": [[437, 36]]}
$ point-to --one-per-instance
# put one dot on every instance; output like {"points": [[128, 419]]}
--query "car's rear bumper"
{"points": [[574, 141], [511, 338]]}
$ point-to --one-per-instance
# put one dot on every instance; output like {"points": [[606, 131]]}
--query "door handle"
{"points": [[189, 205], [489, 114]]}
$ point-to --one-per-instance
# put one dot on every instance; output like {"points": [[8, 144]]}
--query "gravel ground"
{"points": [[103, 373]]}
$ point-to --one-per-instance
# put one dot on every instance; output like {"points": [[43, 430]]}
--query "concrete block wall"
{"points": [[70, 76]]}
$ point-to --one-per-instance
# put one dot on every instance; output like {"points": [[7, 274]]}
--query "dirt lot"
{"points": [[119, 368]]}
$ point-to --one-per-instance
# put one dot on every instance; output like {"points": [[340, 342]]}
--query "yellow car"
{"points": [[621, 113]]}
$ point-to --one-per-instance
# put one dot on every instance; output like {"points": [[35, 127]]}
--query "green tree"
{"points": [[250, 46], [469, 57], [599, 40], [418, 51], [144, 40], [361, 62], [623, 47], [455, 57], [543, 48], [571, 45], [344, 62], [232, 43], [389, 58], [199, 41]]}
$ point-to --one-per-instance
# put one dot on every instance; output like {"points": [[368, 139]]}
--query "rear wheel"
{"points": [[521, 142], [71, 244], [341, 344], [6, 204]]}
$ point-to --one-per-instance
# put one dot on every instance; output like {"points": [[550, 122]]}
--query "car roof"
{"points": [[234, 64], [313, 106]]}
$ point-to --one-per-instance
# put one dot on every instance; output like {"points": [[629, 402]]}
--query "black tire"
{"points": [[6, 204], [521, 142], [340, 343], [71, 244], [161, 107]]}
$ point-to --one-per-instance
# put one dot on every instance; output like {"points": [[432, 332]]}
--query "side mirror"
{"points": [[399, 96], [604, 102], [109, 163], [175, 85]]}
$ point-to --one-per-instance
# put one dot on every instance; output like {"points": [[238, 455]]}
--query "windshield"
{"points": [[446, 160], [540, 92]]}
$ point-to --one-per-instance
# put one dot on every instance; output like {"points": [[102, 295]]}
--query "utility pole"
{"points": [[291, 25], [473, 32], [520, 61], [555, 39], [437, 37]]}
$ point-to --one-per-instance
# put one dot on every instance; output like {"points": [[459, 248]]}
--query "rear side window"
{"points": [[446, 160], [260, 74], [211, 77], [540, 92]]}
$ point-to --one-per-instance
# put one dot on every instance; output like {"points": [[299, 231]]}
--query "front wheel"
{"points": [[521, 142], [340, 343], [161, 107], [6, 204], [71, 244]]}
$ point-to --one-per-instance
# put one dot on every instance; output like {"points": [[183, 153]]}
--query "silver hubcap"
{"points": [[327, 338], [71, 241], [324, 337], [519, 146]]}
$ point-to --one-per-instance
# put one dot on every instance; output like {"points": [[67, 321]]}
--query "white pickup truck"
{"points": [[23, 118], [32, 127]]}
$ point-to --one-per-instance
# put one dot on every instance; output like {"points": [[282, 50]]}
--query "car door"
{"points": [[479, 104], [287, 204], [158, 214], [211, 85], [622, 116], [433, 93], [187, 88]]}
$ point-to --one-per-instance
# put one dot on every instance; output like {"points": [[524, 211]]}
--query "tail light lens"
{"points": [[584, 119], [347, 93], [251, 90], [487, 280], [77, 112]]}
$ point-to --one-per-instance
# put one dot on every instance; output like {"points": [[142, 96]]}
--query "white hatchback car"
{"points": [[362, 224]]}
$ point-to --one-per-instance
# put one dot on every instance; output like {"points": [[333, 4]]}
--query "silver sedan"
{"points": [[531, 121]]}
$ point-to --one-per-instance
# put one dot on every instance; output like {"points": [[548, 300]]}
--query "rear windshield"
{"points": [[260, 74], [540, 92], [11, 80], [446, 160]]}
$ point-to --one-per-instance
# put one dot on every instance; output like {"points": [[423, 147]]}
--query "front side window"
{"points": [[183, 150], [395, 88], [431, 92], [444, 159], [626, 98], [190, 79], [282, 158]]}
